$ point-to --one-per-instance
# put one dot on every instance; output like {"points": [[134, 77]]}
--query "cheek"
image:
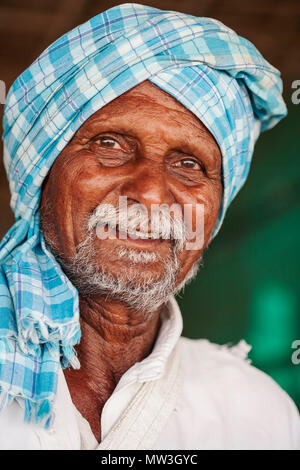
{"points": [[90, 181], [208, 196], [81, 182], [212, 203], [70, 195], [203, 204]]}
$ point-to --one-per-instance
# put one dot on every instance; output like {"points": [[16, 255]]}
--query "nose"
{"points": [[148, 185]]}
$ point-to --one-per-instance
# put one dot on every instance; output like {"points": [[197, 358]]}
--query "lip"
{"points": [[138, 240]]}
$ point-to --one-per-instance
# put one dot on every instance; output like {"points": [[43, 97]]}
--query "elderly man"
{"points": [[125, 142]]}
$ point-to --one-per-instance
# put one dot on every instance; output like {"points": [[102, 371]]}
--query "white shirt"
{"points": [[187, 394]]}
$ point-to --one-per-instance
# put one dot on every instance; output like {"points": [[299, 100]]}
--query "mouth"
{"points": [[134, 237]]}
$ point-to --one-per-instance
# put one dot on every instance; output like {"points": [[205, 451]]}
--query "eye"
{"points": [[108, 142], [188, 164]]}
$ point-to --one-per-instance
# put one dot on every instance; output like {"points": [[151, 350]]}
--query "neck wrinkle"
{"points": [[115, 322], [112, 348]]}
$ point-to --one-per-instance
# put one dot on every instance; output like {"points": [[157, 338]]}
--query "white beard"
{"points": [[146, 295]]}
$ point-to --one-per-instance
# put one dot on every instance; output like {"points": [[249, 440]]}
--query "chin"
{"points": [[127, 271]]}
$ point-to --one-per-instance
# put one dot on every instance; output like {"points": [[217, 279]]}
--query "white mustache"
{"points": [[135, 220]]}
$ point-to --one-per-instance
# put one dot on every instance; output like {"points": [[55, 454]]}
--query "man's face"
{"points": [[149, 148]]}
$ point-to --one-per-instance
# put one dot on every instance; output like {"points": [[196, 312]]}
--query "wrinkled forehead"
{"points": [[148, 100]]}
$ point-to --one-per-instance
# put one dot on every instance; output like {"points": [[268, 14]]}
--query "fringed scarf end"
{"points": [[40, 412]]}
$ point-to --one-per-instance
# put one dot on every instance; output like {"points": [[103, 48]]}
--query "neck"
{"points": [[113, 339]]}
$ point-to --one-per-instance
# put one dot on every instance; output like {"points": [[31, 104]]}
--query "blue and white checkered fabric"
{"points": [[206, 66]]}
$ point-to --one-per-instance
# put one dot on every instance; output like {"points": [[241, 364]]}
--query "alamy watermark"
{"points": [[182, 225], [296, 94], [2, 92], [296, 354]]}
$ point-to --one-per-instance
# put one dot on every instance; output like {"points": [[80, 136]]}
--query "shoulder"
{"points": [[209, 363], [239, 393]]}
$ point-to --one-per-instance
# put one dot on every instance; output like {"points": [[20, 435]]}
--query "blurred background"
{"points": [[249, 285]]}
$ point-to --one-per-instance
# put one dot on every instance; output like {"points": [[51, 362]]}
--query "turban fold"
{"points": [[206, 66]]}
